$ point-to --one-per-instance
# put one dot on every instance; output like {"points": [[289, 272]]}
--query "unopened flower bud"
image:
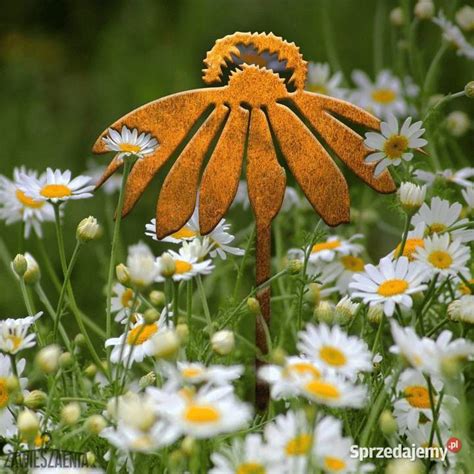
{"points": [[465, 18], [35, 399], [294, 266], [324, 312], [122, 273], [19, 265], [147, 380], [223, 342], [469, 89], [457, 123], [424, 10], [12, 383], [95, 424], [66, 360], [157, 298], [47, 359], [313, 295], [28, 424], [411, 197], [345, 310], [396, 17], [182, 330], [90, 458], [188, 445], [17, 398], [150, 316], [387, 423], [168, 265], [33, 273], [253, 305], [166, 344], [70, 413], [88, 229], [375, 314], [278, 356], [462, 309], [90, 371]]}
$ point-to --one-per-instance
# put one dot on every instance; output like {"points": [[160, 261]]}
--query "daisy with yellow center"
{"points": [[57, 187], [393, 144], [389, 283], [130, 142], [122, 302], [14, 334], [334, 245], [454, 35], [443, 257], [341, 270], [320, 80], [334, 350]]}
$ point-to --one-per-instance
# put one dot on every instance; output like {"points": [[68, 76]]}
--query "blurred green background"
{"points": [[70, 68]]}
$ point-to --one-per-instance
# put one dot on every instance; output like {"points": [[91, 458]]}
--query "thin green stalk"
{"points": [[405, 235], [433, 69], [378, 334], [380, 20], [205, 307], [60, 237], [13, 365], [189, 300], [31, 309]]}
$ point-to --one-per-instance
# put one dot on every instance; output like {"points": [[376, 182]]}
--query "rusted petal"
{"points": [[318, 176], [345, 142], [265, 177], [221, 177], [177, 198]]}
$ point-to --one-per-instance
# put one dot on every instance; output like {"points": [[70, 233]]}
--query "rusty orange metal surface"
{"points": [[254, 112]]}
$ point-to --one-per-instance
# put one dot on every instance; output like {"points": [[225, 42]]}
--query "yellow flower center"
{"points": [[182, 266], [318, 88], [440, 259], [16, 340], [129, 148], [464, 289], [184, 233], [41, 440], [51, 191], [417, 396], [436, 228], [126, 299], [201, 414], [141, 333], [142, 442], [303, 368], [332, 356], [392, 287], [299, 445], [334, 464], [27, 201], [410, 248], [331, 245], [383, 96], [322, 389], [190, 372], [351, 263], [3, 392], [395, 146], [250, 468]]}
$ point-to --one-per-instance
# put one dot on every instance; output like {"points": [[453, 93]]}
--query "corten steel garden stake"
{"points": [[254, 109]]}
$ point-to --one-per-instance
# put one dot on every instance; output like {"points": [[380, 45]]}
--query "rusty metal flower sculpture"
{"points": [[254, 112]]}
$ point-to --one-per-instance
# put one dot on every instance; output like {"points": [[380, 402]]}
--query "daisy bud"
{"points": [[70, 413], [411, 197], [80, 340], [157, 298], [278, 356], [47, 359], [151, 315], [12, 384], [469, 89], [88, 229], [313, 295], [254, 306], [375, 314], [147, 380], [175, 459], [182, 330], [462, 310], [465, 18], [33, 273], [90, 458], [294, 266], [188, 445], [66, 360], [457, 123], [324, 312], [166, 344], [404, 466], [28, 424], [17, 398], [387, 423], [95, 424], [424, 9], [397, 17], [35, 399], [223, 342], [345, 310], [168, 265], [90, 371], [122, 273], [19, 265]]}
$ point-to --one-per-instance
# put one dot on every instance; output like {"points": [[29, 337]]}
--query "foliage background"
{"points": [[69, 68]]}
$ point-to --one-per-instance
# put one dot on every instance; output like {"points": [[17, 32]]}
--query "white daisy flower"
{"points": [[334, 350], [284, 379], [14, 335], [333, 391], [462, 309], [468, 195], [291, 437], [56, 187], [439, 216], [453, 35], [122, 302], [202, 414], [137, 343], [465, 18], [196, 373], [411, 196], [129, 142], [460, 177], [412, 406], [16, 206], [383, 97], [342, 270], [389, 283], [141, 265], [334, 245], [320, 80], [187, 263], [421, 436], [250, 456], [445, 349], [442, 256], [393, 144], [96, 171]]}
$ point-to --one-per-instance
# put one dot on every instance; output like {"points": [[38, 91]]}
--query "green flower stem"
{"points": [[31, 309], [444, 100], [60, 237], [435, 411], [431, 75], [438, 326], [113, 252], [378, 334], [83, 400], [379, 29], [175, 291], [405, 235], [205, 306], [13, 364], [47, 263], [189, 300], [62, 294]]}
